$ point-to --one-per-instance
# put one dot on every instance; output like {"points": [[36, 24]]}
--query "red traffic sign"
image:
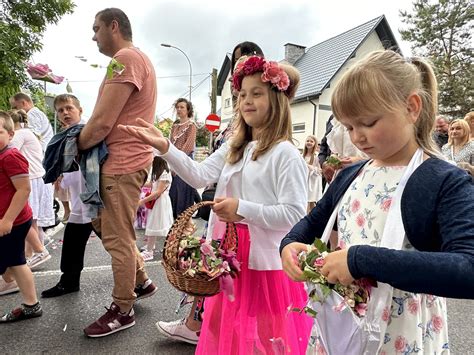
{"points": [[213, 122]]}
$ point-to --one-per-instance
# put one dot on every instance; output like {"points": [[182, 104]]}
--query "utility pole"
{"points": [[214, 91], [213, 100]]}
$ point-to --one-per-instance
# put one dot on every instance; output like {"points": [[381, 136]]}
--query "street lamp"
{"points": [[190, 67]]}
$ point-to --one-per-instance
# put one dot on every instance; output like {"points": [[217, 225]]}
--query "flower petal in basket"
{"points": [[197, 283]]}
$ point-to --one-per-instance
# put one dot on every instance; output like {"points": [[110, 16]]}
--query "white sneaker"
{"points": [[47, 241], [178, 330], [38, 258], [7, 287], [147, 255]]}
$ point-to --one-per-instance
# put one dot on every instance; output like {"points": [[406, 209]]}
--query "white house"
{"points": [[320, 66]]}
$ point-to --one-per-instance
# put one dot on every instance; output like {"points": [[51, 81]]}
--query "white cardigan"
{"points": [[273, 194]]}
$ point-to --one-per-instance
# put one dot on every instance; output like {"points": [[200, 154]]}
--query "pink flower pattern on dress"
{"points": [[386, 314], [400, 344], [413, 306], [360, 219], [355, 206], [385, 206], [437, 323]]}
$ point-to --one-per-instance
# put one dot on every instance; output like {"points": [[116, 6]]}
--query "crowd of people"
{"points": [[390, 151]]}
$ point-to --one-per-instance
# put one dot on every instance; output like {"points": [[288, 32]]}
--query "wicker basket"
{"points": [[200, 284]]}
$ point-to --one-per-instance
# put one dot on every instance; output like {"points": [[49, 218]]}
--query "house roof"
{"points": [[322, 62], [225, 69]]}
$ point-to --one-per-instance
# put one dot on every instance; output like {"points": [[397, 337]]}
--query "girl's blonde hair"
{"points": [[382, 83], [277, 126], [469, 117], [19, 116], [465, 128], [305, 149]]}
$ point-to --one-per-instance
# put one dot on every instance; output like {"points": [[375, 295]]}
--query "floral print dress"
{"points": [[417, 323]]}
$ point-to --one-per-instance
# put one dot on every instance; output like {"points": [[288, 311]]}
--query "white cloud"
{"points": [[205, 30]]}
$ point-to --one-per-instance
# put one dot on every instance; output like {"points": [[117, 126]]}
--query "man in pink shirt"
{"points": [[128, 91]]}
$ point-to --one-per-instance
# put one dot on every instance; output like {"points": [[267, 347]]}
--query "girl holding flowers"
{"points": [[261, 186], [388, 104]]}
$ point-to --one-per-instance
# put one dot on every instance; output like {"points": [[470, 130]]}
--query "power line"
{"points": [[192, 90]]}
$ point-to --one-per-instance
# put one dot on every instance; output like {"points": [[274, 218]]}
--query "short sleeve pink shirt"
{"points": [[126, 153]]}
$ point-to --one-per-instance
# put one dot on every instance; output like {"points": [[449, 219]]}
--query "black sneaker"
{"points": [[22, 313], [58, 290]]}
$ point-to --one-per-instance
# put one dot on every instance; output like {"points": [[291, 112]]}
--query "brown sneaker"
{"points": [[111, 322], [146, 290]]}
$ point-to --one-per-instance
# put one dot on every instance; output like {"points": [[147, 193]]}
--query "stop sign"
{"points": [[213, 122]]}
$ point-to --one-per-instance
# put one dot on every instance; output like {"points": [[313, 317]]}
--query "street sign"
{"points": [[213, 122]]}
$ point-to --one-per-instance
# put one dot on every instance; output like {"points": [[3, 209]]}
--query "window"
{"points": [[298, 128], [227, 102]]}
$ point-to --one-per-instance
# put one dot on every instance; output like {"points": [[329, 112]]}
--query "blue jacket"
{"points": [[60, 157], [437, 208]]}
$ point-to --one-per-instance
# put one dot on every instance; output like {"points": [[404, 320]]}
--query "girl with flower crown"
{"points": [[261, 187], [404, 217]]}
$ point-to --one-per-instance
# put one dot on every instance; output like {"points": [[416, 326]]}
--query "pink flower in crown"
{"points": [[437, 323], [385, 206], [413, 306], [253, 65], [355, 206], [400, 344], [360, 220], [274, 74]]}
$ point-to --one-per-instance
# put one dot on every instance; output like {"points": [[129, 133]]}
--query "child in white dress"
{"points": [[315, 182], [160, 217]]}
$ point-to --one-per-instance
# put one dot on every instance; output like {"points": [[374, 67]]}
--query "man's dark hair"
{"points": [[112, 13]]}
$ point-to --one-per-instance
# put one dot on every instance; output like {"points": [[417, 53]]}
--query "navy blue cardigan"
{"points": [[437, 208]]}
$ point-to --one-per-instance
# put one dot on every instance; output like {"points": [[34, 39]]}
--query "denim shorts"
{"points": [[12, 247]]}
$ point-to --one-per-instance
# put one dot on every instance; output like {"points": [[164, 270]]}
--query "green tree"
{"points": [[165, 126], [442, 32], [202, 137], [22, 25]]}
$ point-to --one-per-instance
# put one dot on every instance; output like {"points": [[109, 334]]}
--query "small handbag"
{"points": [[150, 203]]}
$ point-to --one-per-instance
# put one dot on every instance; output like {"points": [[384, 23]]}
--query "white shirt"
{"points": [[39, 123], [74, 181], [29, 145], [273, 193]]}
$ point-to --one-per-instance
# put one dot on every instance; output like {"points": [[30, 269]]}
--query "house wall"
{"points": [[303, 111], [226, 104]]}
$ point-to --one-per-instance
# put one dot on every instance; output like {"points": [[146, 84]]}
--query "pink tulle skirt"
{"points": [[258, 321]]}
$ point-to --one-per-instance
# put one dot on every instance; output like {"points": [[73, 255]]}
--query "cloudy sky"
{"points": [[206, 30]]}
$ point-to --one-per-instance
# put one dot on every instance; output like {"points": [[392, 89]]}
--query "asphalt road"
{"points": [[59, 330]]}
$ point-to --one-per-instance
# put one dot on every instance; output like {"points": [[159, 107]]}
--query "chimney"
{"points": [[293, 52]]}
